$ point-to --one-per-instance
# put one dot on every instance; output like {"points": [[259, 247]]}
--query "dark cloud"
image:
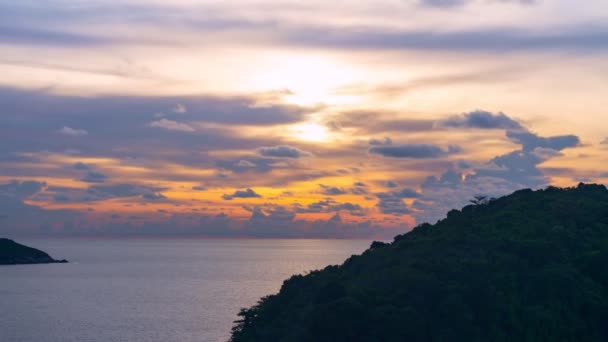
{"points": [[332, 190], [328, 206], [359, 191], [414, 151], [21, 189], [463, 164], [100, 192], [282, 151], [22, 25], [582, 38], [153, 196], [94, 177], [81, 166], [499, 176], [392, 204], [380, 142], [406, 193], [250, 164], [391, 184], [270, 216], [456, 3], [19, 35], [530, 141], [248, 193], [480, 119], [276, 221], [61, 198], [199, 188], [31, 116], [19, 218], [443, 3]]}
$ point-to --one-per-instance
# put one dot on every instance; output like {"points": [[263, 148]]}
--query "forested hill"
{"points": [[12, 253], [531, 266]]}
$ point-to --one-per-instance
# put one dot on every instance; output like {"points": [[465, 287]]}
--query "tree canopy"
{"points": [[530, 266]]}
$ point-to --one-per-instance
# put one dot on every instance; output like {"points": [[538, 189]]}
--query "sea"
{"points": [[150, 289]]}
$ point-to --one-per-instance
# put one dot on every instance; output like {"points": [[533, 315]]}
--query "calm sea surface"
{"points": [[150, 290]]}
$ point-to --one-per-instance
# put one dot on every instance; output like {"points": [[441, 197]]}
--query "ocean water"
{"points": [[141, 289]]}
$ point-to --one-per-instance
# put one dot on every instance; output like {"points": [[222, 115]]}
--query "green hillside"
{"points": [[531, 266]]}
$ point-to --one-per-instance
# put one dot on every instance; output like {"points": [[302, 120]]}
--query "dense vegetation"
{"points": [[12, 253], [531, 266]]}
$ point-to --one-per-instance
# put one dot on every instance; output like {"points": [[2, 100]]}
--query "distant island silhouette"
{"points": [[12, 253], [531, 266]]}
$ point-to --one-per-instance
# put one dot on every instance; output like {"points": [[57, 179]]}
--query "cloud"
{"points": [[248, 193], [250, 164], [381, 122], [328, 206], [390, 184], [492, 39], [332, 190], [81, 166], [94, 177], [25, 36], [359, 191], [179, 108], [604, 142], [245, 164], [414, 151], [456, 3], [171, 125], [380, 142], [463, 164], [21, 189], [199, 188], [282, 151], [74, 132], [481, 120], [392, 204], [100, 192], [498, 176], [443, 3], [21, 218], [530, 141], [407, 193], [153, 196]]}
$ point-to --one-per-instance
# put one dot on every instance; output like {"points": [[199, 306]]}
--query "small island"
{"points": [[13, 253]]}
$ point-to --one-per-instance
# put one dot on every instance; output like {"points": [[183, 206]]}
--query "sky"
{"points": [[299, 119]]}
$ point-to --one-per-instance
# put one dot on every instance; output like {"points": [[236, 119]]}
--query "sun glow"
{"points": [[311, 132], [310, 79]]}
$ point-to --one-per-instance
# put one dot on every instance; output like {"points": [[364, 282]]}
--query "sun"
{"points": [[310, 132]]}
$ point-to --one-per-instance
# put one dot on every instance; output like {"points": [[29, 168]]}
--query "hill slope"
{"points": [[12, 253], [531, 266]]}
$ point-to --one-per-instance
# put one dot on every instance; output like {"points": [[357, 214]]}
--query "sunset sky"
{"points": [[291, 118]]}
